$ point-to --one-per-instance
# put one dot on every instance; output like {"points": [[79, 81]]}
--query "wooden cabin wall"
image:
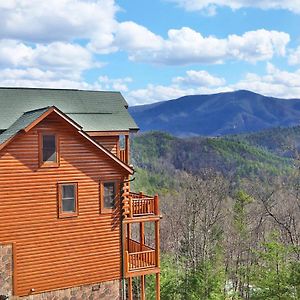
{"points": [[111, 143], [52, 253]]}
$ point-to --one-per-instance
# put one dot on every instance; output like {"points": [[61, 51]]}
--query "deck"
{"points": [[140, 259]]}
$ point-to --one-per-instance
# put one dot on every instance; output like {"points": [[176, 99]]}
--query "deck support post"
{"points": [[143, 292], [157, 286], [130, 288]]}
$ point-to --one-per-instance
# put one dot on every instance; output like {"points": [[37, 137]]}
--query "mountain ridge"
{"points": [[217, 114]]}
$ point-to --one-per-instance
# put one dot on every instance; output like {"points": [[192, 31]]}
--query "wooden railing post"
{"points": [[130, 207], [127, 145], [142, 235], [157, 244], [156, 205], [127, 267]]}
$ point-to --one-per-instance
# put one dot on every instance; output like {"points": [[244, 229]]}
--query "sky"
{"points": [[152, 50]]}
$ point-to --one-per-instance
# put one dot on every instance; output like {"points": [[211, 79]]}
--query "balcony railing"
{"points": [[139, 257], [142, 205], [124, 156]]}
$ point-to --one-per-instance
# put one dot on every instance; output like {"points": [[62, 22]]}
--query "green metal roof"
{"points": [[93, 110], [21, 123]]}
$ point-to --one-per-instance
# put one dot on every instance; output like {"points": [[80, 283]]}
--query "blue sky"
{"points": [[152, 50]]}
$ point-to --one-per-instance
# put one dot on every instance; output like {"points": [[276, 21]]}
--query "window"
{"points": [[109, 196], [48, 149], [122, 142], [67, 199]]}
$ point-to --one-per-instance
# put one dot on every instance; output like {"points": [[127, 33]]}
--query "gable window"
{"points": [[67, 199], [48, 149], [109, 195]]}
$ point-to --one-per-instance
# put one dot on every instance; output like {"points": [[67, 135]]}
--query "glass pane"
{"points": [[122, 142], [49, 148], [68, 205], [68, 191], [109, 194]]}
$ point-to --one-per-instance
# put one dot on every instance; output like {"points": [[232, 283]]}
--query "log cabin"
{"points": [[67, 212]]}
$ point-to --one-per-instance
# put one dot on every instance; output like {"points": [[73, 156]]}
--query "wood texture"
{"points": [[111, 143], [52, 253]]}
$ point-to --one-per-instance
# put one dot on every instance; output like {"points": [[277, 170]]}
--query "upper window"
{"points": [[48, 149], [122, 142], [68, 203], [108, 196]]}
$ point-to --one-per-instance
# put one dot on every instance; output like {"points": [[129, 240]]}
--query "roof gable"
{"points": [[94, 110], [29, 119]]}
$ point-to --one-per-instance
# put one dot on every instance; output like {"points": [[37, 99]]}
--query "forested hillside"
{"points": [[217, 114], [231, 213]]}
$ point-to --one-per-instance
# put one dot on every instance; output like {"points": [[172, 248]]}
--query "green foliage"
{"points": [[242, 199], [170, 280], [206, 282], [276, 275], [151, 182], [162, 153]]}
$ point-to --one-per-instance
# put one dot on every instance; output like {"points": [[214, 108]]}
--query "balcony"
{"points": [[142, 205], [140, 258]]}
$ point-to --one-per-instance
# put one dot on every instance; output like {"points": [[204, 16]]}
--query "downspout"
{"points": [[123, 283]]}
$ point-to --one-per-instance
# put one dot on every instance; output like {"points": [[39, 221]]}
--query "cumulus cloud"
{"points": [[274, 83], [57, 26], [187, 46], [34, 77], [294, 57], [134, 37], [194, 82], [58, 20], [154, 93], [208, 5], [57, 55], [198, 78], [117, 84]]}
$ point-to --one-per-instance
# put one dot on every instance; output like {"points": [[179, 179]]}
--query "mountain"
{"points": [[159, 156], [218, 114]]}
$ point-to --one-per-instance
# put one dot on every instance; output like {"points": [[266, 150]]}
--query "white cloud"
{"points": [[206, 5], [186, 46], [58, 20], [33, 77], [194, 82], [294, 57], [117, 84], [274, 83], [154, 93], [56, 55], [134, 37], [198, 78]]}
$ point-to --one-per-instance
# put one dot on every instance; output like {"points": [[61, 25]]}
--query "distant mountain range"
{"points": [[218, 114]]}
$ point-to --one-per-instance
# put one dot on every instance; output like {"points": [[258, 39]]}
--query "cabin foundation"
{"points": [[6, 265]]}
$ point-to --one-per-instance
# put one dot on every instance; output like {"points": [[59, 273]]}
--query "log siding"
{"points": [[53, 253]]}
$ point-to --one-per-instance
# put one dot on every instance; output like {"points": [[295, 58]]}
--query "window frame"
{"points": [[104, 209], [61, 213], [48, 164]]}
